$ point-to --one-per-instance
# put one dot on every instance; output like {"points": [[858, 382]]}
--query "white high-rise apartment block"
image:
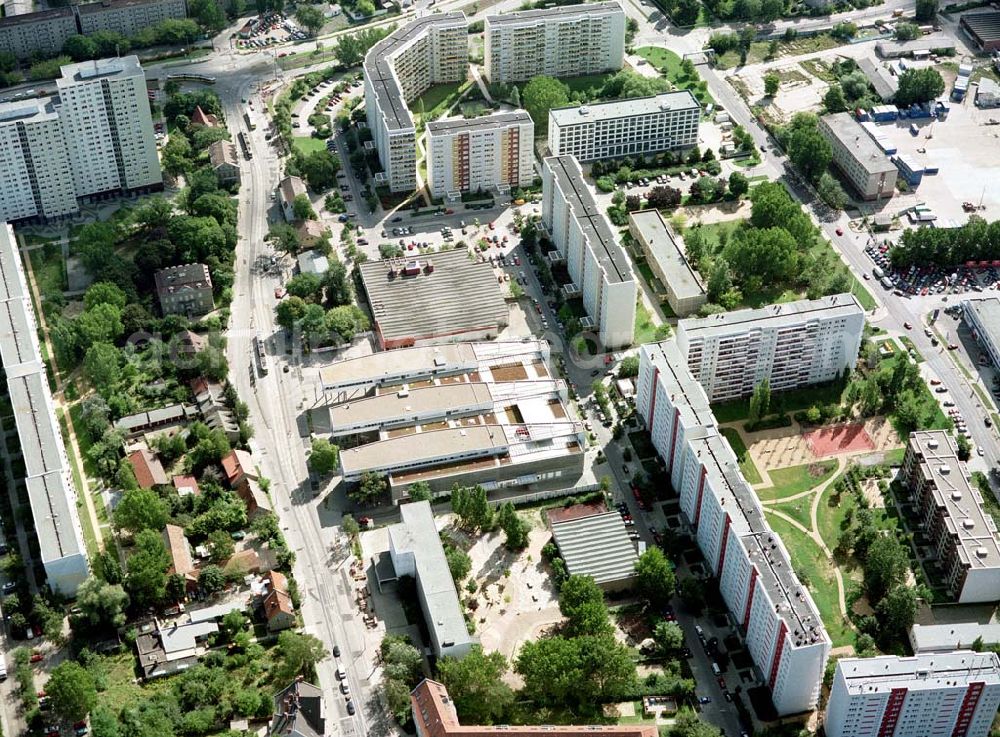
{"points": [[494, 151], [951, 694], [596, 262], [430, 50], [781, 625], [37, 179], [566, 41], [635, 127], [108, 126], [791, 345], [94, 137]]}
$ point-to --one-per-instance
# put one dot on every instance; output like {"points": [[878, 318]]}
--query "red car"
{"points": [[279, 292], [839, 231], [36, 657]]}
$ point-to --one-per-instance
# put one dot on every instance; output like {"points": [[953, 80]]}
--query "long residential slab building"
{"points": [[47, 477], [633, 127], [953, 694], [93, 138], [564, 41], [964, 533], [402, 66], [596, 262], [481, 154], [791, 345], [781, 625], [492, 414]]}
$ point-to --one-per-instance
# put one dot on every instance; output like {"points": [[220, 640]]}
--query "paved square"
{"points": [[848, 438]]}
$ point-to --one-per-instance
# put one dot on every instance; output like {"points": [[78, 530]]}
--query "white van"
{"points": [[716, 669]]}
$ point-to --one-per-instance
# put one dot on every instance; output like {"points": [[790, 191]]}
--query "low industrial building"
{"points": [[501, 421], [313, 262], [918, 48], [434, 715], [595, 543], [664, 252], [225, 162], [987, 93], [52, 496], [634, 127], [963, 532], [983, 29], [882, 80], [416, 550], [490, 153], [185, 290], [983, 317], [595, 260], [941, 638], [948, 694], [860, 159], [437, 298]]}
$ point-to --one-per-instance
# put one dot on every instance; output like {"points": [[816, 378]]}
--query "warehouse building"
{"points": [[416, 550], [983, 317], [987, 93], [438, 298], [562, 41], [964, 533], [918, 48], [983, 29], [634, 127], [493, 152], [492, 414], [596, 262], [46, 470], [402, 66], [782, 628], [595, 542], [942, 638], [793, 344], [664, 252], [884, 82], [929, 695], [860, 159]]}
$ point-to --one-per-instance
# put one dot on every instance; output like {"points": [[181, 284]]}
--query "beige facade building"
{"points": [[566, 41], [860, 159], [664, 252], [494, 151]]}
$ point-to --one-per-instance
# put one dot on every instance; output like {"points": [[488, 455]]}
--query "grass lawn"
{"points": [[797, 509], [305, 59], [668, 64], [747, 467], [437, 99], [587, 82], [645, 330], [793, 400], [49, 269], [759, 51], [908, 345], [816, 572], [833, 510], [308, 144], [797, 479], [861, 292]]}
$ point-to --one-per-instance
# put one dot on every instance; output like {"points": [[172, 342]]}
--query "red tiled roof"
{"points": [[276, 581], [277, 602], [147, 468], [238, 463], [200, 117], [435, 716], [177, 546], [186, 482]]}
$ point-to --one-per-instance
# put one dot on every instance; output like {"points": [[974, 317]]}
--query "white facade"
{"points": [[858, 156], [431, 50], [108, 126], [96, 136], [480, 154], [594, 258], [782, 627], [791, 345], [566, 41], [953, 694], [635, 127]]}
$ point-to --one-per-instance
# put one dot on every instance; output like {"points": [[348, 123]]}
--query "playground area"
{"points": [[851, 437]]}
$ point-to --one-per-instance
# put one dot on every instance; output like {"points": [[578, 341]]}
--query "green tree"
{"points": [[350, 525], [918, 85], [420, 491], [140, 509], [964, 448], [854, 85], [102, 323], [101, 366], [655, 577], [581, 601], [297, 654], [103, 723], [540, 95], [324, 457], [515, 529], [337, 283], [283, 237], [208, 13], [692, 595], [211, 578], [475, 685], [926, 10], [311, 17], [146, 577], [760, 402], [290, 311], [101, 604], [319, 169], [72, 691], [834, 99], [831, 192], [760, 256], [369, 488], [459, 562], [771, 83], [885, 566], [80, 48], [175, 156], [907, 31], [897, 612], [221, 545], [739, 185], [471, 504], [688, 724], [628, 367], [719, 280], [669, 636], [552, 669], [810, 152], [302, 208]]}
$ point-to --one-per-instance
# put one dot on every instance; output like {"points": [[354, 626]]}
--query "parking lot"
{"points": [[267, 30]]}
